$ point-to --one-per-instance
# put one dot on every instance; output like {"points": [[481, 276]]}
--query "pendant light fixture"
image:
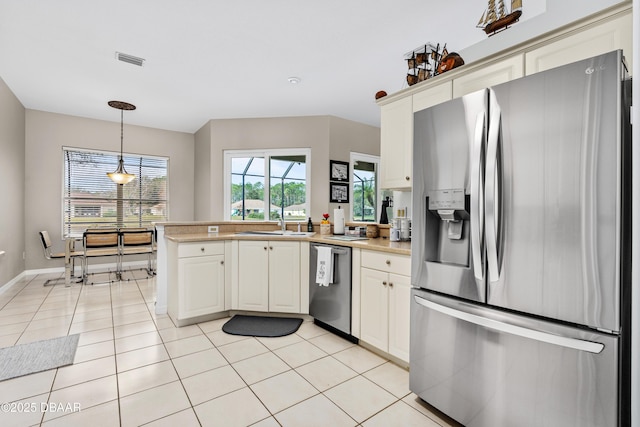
{"points": [[120, 176]]}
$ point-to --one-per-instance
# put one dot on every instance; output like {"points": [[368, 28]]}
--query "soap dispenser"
{"points": [[310, 226]]}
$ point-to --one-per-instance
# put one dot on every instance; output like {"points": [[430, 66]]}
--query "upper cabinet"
{"points": [[396, 144], [432, 96], [396, 140], [602, 37], [489, 75], [599, 34]]}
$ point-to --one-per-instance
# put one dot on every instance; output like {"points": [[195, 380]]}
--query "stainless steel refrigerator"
{"points": [[520, 247]]}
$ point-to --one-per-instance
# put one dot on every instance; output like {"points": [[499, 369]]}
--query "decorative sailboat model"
{"points": [[497, 18]]}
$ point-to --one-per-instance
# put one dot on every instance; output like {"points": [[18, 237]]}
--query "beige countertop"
{"points": [[379, 244]]}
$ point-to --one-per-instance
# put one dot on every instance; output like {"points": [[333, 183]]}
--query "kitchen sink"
{"points": [[275, 233]]}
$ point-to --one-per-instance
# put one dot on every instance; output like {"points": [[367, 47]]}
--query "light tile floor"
{"points": [[134, 367]]}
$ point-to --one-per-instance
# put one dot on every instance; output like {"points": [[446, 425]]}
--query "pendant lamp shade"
{"points": [[120, 175]]}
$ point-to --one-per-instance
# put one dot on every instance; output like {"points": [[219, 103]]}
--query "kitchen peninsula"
{"points": [[198, 274]]}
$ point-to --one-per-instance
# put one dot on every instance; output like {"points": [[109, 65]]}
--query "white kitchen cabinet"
{"points": [[196, 280], [385, 302], [396, 134], [284, 277], [599, 38], [269, 276], [396, 144], [433, 96], [489, 75]]}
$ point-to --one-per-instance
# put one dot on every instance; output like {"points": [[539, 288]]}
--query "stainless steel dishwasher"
{"points": [[330, 305]]}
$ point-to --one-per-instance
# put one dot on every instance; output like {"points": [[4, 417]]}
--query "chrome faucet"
{"points": [[283, 225]]}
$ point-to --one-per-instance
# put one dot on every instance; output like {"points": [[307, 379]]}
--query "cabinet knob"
{"points": [[265, 248], [222, 262], [407, 178], [390, 285], [202, 249], [388, 262], [271, 248], [384, 283]]}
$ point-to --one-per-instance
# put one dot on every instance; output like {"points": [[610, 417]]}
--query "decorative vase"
{"points": [[325, 229]]}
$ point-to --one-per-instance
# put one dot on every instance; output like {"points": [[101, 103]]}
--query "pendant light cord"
{"points": [[121, 132]]}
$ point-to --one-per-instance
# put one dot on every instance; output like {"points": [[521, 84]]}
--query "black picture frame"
{"points": [[338, 171], [338, 192]]}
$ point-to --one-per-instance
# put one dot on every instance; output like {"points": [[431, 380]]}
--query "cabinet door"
{"points": [[399, 304], [201, 285], [605, 37], [491, 75], [432, 96], [284, 277], [253, 275], [396, 143], [374, 313]]}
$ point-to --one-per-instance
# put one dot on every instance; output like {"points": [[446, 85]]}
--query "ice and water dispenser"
{"points": [[447, 227]]}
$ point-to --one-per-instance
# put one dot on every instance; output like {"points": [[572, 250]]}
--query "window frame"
{"points": [[355, 157], [66, 228], [266, 154]]}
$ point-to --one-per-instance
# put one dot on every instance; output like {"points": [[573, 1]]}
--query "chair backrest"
{"points": [[100, 238], [46, 243], [136, 237]]}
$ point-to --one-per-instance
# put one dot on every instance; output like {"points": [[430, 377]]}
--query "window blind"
{"points": [[91, 199]]}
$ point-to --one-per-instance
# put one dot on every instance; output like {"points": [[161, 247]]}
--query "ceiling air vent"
{"points": [[129, 59]]}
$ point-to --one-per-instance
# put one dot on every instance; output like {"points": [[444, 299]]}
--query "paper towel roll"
{"points": [[338, 221]]}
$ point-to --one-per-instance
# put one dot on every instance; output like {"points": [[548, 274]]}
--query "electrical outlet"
{"points": [[213, 229]]}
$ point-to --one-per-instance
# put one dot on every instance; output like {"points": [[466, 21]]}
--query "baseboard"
{"points": [[92, 267], [12, 282], [77, 271]]}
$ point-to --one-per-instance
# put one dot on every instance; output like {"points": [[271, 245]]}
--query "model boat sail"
{"points": [[496, 17]]}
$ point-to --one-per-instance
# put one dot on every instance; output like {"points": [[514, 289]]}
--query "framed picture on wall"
{"points": [[339, 171], [339, 192]]}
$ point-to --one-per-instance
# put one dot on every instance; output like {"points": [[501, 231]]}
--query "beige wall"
{"points": [[31, 142], [12, 171], [47, 133], [202, 173], [327, 137], [347, 136]]}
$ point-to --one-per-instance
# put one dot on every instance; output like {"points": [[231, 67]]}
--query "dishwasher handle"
{"points": [[335, 250]]}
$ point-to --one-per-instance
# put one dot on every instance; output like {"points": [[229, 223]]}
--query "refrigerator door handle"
{"points": [[568, 342], [477, 220], [492, 181]]}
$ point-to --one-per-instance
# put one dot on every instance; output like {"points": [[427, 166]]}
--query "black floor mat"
{"points": [[261, 326]]}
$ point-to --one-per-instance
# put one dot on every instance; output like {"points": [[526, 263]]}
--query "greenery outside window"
{"points": [[364, 196], [91, 199], [249, 194]]}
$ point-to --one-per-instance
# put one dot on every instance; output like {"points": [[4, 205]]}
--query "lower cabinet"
{"points": [[269, 276], [196, 279], [384, 303]]}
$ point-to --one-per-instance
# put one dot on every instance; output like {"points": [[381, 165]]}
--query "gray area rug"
{"points": [[24, 359], [261, 326]]}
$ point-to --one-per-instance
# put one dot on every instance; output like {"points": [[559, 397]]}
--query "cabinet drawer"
{"points": [[392, 263], [200, 249]]}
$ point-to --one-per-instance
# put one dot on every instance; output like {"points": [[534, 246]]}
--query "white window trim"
{"points": [[353, 158], [228, 154]]}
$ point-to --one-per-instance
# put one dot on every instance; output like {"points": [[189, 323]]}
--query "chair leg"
{"points": [[53, 282]]}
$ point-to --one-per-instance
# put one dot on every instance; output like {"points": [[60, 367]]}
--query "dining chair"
{"points": [[101, 242], [138, 241], [45, 239]]}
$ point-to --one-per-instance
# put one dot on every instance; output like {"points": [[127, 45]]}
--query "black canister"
{"points": [[383, 215]]}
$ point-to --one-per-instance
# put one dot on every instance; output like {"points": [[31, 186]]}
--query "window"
{"points": [[364, 197], [91, 199], [250, 196]]}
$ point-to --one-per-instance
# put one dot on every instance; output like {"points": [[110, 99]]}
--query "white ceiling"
{"points": [[214, 59]]}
